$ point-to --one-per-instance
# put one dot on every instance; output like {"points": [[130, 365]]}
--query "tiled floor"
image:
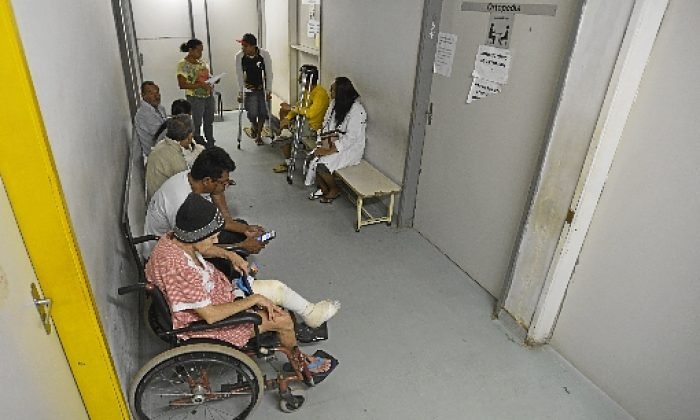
{"points": [[414, 336]]}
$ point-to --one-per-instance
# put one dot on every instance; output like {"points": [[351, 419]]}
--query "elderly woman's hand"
{"points": [[267, 305], [239, 264]]}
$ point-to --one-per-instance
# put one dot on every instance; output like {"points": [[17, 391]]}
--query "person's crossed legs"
{"points": [[326, 182]]}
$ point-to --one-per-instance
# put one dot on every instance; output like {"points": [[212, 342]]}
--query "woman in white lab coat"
{"points": [[344, 143]]}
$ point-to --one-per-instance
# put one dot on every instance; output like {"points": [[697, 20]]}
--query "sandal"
{"points": [[319, 377], [328, 200], [316, 364], [316, 194], [319, 357], [281, 168], [250, 132]]}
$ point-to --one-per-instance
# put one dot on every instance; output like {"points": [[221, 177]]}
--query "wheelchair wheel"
{"points": [[197, 381]]}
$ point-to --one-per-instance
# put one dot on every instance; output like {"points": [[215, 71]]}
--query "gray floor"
{"points": [[414, 336]]}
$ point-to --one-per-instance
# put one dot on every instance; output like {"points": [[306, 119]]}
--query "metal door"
{"points": [[36, 380], [479, 159]]}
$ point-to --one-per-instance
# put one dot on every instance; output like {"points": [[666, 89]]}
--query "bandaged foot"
{"points": [[313, 314], [320, 312]]}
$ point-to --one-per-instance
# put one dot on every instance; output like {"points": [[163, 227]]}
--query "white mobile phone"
{"points": [[267, 236]]}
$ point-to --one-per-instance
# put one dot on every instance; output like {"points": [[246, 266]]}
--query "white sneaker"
{"points": [[285, 133], [321, 312], [316, 194]]}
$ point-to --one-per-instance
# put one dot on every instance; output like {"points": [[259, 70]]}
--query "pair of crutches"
{"points": [[299, 121], [241, 104]]}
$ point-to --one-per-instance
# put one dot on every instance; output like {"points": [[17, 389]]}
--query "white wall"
{"points": [[163, 25], [228, 21], [375, 44], [630, 321], [277, 44], [71, 47], [160, 29]]}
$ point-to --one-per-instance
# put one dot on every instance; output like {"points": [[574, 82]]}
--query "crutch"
{"points": [[240, 118], [261, 64], [299, 126]]}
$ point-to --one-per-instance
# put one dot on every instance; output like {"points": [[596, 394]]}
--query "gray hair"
{"points": [[179, 127]]}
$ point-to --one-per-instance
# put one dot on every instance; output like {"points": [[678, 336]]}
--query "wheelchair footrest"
{"points": [[306, 334]]}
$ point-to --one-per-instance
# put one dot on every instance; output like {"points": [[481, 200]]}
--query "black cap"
{"points": [[197, 219]]}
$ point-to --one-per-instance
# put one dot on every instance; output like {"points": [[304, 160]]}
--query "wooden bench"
{"points": [[367, 182]]}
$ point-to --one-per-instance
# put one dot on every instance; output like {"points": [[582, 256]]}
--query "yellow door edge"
{"points": [[29, 174]]}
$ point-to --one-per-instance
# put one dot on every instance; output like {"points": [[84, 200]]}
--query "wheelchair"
{"points": [[203, 378]]}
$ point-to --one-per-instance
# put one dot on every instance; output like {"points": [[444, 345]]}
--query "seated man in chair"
{"points": [[195, 290], [209, 177]]}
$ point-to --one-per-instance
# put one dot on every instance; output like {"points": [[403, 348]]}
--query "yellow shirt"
{"points": [[316, 109]]}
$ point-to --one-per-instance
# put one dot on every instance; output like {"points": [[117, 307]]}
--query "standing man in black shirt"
{"points": [[254, 72]]}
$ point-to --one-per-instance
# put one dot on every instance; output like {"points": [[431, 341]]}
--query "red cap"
{"points": [[248, 39]]}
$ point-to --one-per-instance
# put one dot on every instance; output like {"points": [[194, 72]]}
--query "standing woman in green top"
{"points": [[192, 76]]}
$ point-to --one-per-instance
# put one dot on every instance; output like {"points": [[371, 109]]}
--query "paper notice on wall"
{"points": [[313, 27], [310, 1], [445, 54], [482, 88], [492, 64]]}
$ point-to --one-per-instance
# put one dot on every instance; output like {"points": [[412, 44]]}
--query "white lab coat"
{"points": [[351, 145]]}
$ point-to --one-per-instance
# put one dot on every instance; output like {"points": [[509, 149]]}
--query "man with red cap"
{"points": [[254, 73]]}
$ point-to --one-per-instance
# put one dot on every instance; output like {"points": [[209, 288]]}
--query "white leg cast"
{"points": [[313, 314], [280, 294]]}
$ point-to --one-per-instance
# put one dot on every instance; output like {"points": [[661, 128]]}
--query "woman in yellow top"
{"points": [[192, 76], [313, 108]]}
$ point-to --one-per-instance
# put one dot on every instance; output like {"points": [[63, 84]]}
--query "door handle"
{"points": [[429, 114], [43, 307]]}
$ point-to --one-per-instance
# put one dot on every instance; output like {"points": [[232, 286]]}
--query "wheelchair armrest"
{"points": [[145, 238], [237, 249], [235, 319], [131, 288]]}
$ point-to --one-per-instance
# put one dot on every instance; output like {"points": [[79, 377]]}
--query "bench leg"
{"points": [[359, 214], [391, 209]]}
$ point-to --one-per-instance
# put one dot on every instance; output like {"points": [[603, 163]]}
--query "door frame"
{"points": [[35, 194], [640, 36], [427, 44], [129, 51]]}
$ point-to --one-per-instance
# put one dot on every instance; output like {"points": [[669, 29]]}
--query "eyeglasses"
{"points": [[225, 181]]}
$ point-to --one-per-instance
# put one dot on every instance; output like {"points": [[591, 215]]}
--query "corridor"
{"points": [[414, 336]]}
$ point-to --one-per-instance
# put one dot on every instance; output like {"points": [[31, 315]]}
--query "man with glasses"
{"points": [[208, 177]]}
